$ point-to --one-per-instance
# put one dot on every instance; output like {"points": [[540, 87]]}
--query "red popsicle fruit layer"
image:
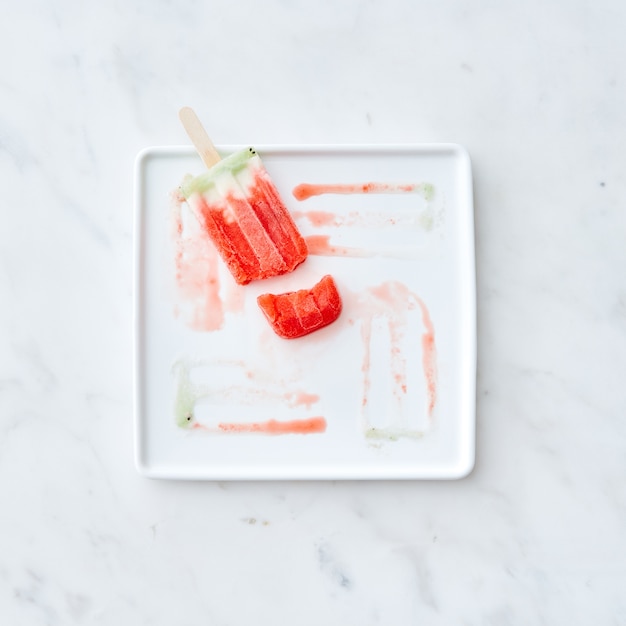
{"points": [[246, 219]]}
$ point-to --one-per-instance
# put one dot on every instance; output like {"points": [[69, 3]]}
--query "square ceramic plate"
{"points": [[385, 392]]}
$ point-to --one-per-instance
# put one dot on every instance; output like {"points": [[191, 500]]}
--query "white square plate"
{"points": [[393, 379]]}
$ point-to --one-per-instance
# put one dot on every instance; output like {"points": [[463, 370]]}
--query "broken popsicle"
{"points": [[242, 212], [299, 313]]}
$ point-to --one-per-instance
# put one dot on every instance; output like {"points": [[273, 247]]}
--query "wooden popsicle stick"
{"points": [[199, 137]]}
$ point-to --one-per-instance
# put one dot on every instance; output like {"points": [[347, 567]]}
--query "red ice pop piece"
{"points": [[299, 313]]}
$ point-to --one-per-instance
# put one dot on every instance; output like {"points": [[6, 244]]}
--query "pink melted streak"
{"points": [[429, 355], [305, 190], [317, 218], [196, 266], [274, 427], [319, 245], [393, 300], [301, 398]]}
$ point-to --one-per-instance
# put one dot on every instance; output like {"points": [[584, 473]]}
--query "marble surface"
{"points": [[536, 91]]}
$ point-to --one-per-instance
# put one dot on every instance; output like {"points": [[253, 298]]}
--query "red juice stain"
{"points": [[305, 191], [307, 426]]}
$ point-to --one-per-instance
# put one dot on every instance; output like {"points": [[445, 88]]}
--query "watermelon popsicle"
{"points": [[241, 210]]}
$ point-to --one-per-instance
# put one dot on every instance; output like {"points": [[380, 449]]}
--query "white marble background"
{"points": [[536, 91]]}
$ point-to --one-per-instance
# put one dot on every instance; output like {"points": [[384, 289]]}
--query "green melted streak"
{"points": [[185, 398], [428, 191]]}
